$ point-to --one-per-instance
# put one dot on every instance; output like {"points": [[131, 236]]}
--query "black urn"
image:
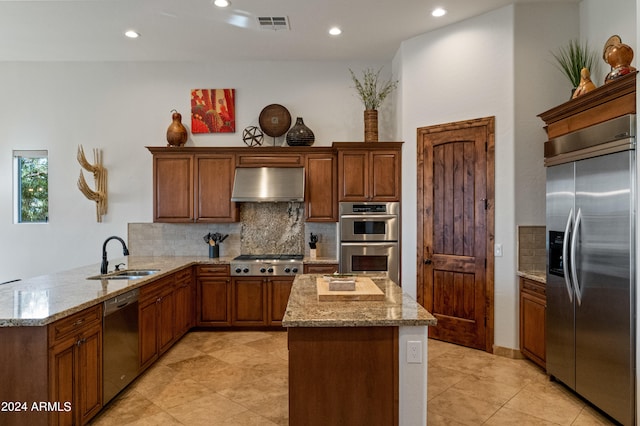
{"points": [[300, 135]]}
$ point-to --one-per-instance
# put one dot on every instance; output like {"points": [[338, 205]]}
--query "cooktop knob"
{"points": [[238, 270], [270, 270], [287, 270], [263, 270], [294, 270], [245, 270]]}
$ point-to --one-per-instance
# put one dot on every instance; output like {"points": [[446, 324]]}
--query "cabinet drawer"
{"points": [[533, 287], [260, 160], [320, 268], [75, 323], [184, 275], [153, 290], [217, 270]]}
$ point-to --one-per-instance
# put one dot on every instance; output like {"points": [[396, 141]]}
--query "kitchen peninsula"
{"points": [[348, 360]]}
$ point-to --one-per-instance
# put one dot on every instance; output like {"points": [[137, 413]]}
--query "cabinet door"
{"points": [[533, 321], [89, 370], [166, 320], [214, 184], [249, 301], [321, 187], [148, 325], [385, 176], [184, 298], [353, 171], [214, 301], [62, 359], [173, 188], [279, 290]]}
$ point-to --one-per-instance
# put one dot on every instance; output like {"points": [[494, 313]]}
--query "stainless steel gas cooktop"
{"points": [[266, 264]]}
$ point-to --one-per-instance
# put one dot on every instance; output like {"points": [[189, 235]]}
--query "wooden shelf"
{"points": [[608, 101]]}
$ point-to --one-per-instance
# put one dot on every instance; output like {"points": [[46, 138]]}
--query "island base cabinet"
{"points": [[343, 375]]}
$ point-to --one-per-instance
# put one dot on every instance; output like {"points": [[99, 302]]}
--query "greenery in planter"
{"points": [[370, 90], [572, 58]]}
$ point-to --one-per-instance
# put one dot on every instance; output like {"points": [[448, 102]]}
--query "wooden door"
{"points": [[166, 320], [385, 176], [249, 301], [455, 230], [63, 379], [89, 372], [353, 171], [214, 301], [148, 327], [173, 188], [214, 184]]}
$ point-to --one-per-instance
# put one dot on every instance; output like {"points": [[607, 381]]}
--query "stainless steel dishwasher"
{"points": [[119, 343]]}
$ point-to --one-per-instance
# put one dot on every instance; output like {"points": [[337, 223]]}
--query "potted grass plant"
{"points": [[372, 93], [571, 58]]}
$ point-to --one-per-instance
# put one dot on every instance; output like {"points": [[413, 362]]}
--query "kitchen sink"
{"points": [[127, 274]]}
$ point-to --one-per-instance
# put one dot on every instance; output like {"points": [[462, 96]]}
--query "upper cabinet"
{"points": [[191, 186], [194, 184], [369, 171]]}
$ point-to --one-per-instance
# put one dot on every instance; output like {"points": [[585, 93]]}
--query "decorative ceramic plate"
{"points": [[275, 120]]}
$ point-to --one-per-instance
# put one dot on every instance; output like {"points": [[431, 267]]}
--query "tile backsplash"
{"points": [[264, 228], [531, 248]]}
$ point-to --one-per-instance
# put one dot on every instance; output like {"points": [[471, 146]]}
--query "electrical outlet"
{"points": [[497, 250], [414, 352]]}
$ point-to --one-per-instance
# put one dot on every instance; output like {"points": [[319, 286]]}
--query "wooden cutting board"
{"points": [[366, 290]]}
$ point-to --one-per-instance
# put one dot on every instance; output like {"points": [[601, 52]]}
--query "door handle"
{"points": [[574, 269], [427, 262], [565, 257]]}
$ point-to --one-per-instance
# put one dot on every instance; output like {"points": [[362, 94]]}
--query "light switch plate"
{"points": [[497, 250]]}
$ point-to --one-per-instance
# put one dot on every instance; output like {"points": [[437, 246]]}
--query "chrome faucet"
{"points": [[105, 263]]}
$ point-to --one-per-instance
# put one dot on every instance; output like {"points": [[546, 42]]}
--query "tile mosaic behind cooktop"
{"points": [[270, 228]]}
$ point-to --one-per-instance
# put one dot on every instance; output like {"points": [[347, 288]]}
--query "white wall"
{"points": [[482, 67], [123, 107]]}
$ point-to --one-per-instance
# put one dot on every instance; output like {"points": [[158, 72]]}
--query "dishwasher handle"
{"points": [[119, 302]]}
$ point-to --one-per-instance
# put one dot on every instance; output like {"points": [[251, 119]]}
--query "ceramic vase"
{"points": [[300, 135], [176, 133]]}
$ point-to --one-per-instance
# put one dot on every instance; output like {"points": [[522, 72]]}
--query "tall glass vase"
{"points": [[371, 125]]}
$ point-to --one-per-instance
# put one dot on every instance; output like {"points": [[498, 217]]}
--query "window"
{"points": [[31, 192]]}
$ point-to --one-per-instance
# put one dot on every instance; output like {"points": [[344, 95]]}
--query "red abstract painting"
{"points": [[213, 111]]}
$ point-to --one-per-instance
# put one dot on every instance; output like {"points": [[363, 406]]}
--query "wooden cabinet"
{"points": [[173, 188], [75, 367], [213, 295], [214, 174], [321, 185], [185, 301], [192, 186], [249, 301], [533, 303], [369, 171], [320, 268], [279, 289], [156, 319]]}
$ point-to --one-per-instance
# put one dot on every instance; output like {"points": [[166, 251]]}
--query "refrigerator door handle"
{"points": [[574, 269], [565, 256]]}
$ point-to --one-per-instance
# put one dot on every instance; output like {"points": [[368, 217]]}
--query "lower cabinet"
{"points": [[279, 289], [75, 367], [185, 295], [156, 320], [249, 301], [533, 304], [213, 296]]}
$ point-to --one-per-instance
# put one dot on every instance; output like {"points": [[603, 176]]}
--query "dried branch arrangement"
{"points": [[100, 178]]}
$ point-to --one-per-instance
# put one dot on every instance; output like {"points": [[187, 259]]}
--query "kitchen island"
{"points": [[348, 360]]}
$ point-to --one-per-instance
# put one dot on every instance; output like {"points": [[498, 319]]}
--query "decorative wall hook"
{"points": [[100, 178]]}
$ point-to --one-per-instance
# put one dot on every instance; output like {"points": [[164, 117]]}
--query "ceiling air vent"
{"points": [[273, 22]]}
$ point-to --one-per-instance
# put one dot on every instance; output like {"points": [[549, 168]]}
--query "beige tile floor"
{"points": [[240, 378]]}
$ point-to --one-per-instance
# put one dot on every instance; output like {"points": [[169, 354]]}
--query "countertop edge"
{"points": [[534, 276]]}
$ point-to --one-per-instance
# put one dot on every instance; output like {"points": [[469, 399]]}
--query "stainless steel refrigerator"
{"points": [[590, 319]]}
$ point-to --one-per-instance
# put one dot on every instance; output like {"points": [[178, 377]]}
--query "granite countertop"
{"points": [[44, 299], [539, 276], [398, 308]]}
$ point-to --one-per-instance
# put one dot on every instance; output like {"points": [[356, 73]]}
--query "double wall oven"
{"points": [[369, 238]]}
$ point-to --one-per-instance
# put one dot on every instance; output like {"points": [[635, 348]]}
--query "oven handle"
{"points": [[368, 216]]}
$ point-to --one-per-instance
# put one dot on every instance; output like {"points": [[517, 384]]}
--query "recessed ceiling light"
{"points": [[221, 3], [438, 12], [132, 34], [335, 31]]}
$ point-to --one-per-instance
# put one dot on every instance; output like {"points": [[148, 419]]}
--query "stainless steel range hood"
{"points": [[272, 184]]}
